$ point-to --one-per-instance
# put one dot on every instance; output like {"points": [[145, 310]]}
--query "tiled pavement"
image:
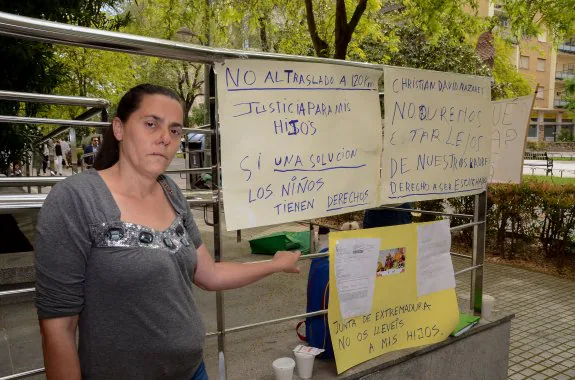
{"points": [[542, 333]]}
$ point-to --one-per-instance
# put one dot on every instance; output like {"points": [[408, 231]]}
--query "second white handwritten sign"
{"points": [[437, 135], [298, 140]]}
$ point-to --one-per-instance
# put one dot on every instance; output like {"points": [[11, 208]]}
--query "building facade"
{"points": [[546, 67]]}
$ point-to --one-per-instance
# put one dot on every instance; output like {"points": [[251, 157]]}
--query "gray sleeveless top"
{"points": [[130, 285]]}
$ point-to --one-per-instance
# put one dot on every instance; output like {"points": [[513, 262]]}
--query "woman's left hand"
{"points": [[286, 261]]}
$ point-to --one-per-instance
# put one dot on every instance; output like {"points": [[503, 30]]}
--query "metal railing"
{"points": [[567, 48], [40, 30], [564, 75], [98, 107]]}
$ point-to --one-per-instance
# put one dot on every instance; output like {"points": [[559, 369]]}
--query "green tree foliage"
{"points": [[34, 66], [266, 25], [310, 27], [508, 83], [441, 19], [174, 20], [90, 73], [565, 135], [531, 18], [415, 50], [410, 47]]}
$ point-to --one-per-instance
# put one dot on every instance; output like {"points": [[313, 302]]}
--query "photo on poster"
{"points": [[391, 261]]}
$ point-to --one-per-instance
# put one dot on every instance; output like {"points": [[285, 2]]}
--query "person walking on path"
{"points": [[90, 152], [117, 252], [66, 151], [45, 157], [59, 156]]}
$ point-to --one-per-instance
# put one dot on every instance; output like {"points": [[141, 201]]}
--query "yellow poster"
{"points": [[399, 318]]}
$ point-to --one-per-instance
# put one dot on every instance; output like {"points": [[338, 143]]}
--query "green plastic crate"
{"points": [[281, 241]]}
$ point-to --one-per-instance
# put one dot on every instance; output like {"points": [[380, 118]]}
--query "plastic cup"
{"points": [[304, 364], [487, 306], [463, 301], [283, 368]]}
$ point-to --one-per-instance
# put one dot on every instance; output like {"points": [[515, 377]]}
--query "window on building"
{"points": [[540, 92], [532, 131], [540, 64], [524, 62], [549, 132]]}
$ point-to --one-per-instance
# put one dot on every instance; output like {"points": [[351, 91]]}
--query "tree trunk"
{"points": [[343, 29], [320, 46], [263, 33]]}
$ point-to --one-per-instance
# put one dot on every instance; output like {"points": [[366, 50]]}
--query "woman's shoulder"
{"points": [[81, 183], [80, 191], [174, 192]]}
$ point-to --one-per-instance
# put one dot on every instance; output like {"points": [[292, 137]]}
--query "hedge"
{"points": [[523, 221]]}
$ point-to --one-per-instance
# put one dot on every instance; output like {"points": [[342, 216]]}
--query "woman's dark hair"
{"points": [[109, 152]]}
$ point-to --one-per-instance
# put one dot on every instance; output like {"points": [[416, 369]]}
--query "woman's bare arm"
{"points": [[60, 351], [221, 276]]}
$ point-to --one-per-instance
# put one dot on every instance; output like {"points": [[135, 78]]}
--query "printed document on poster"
{"points": [[434, 267], [355, 261]]}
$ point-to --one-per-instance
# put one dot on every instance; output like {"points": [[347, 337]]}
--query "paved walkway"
{"points": [[543, 331], [560, 168]]}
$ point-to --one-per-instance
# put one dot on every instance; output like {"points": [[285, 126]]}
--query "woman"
{"points": [[117, 252], [59, 155], [45, 157]]}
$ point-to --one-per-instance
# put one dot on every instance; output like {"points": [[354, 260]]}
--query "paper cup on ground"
{"points": [[283, 368], [487, 306], [304, 364], [463, 301]]}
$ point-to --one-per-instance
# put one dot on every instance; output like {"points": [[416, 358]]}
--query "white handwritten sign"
{"points": [[436, 135], [298, 140], [509, 118]]}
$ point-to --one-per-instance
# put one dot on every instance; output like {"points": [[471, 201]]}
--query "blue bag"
{"points": [[317, 328]]}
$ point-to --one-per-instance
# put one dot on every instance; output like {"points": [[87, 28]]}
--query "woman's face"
{"points": [[151, 135]]}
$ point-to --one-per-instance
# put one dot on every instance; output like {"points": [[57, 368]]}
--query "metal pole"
{"points": [[17, 291], [40, 120], [29, 167], [52, 99], [210, 86], [54, 32], [469, 269], [479, 231], [104, 118], [73, 150], [464, 216], [191, 170], [23, 375], [312, 246]]}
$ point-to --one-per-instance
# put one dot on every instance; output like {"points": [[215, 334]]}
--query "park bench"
{"points": [[539, 156]]}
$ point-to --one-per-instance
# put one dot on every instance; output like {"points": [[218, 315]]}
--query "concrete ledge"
{"points": [[481, 353], [17, 268]]}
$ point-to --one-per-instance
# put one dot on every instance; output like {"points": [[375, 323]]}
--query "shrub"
{"points": [[512, 219], [530, 213], [541, 146], [565, 135], [432, 205]]}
